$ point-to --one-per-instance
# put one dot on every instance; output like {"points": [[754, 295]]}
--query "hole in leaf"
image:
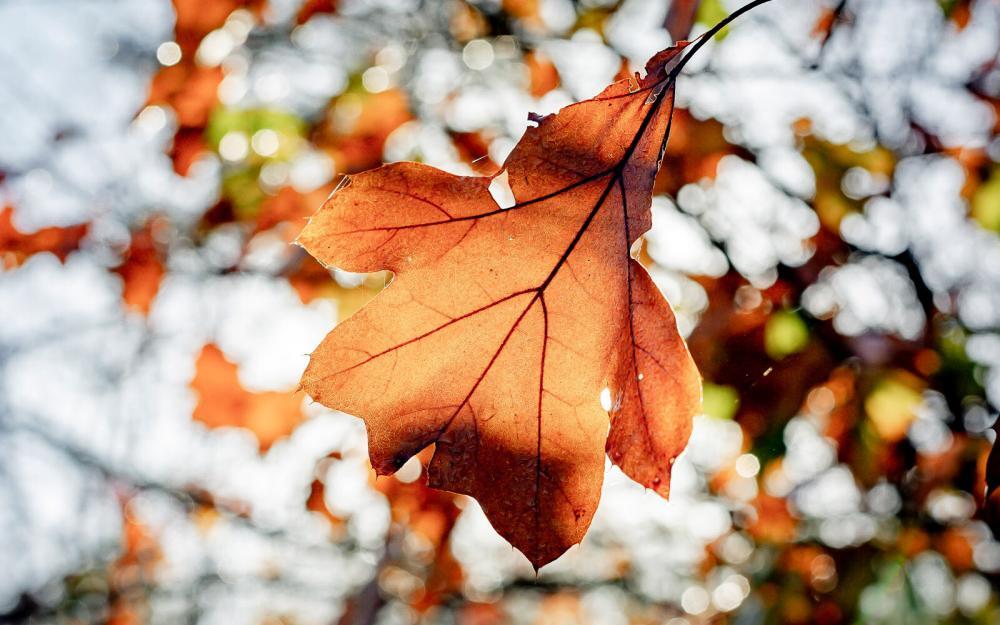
{"points": [[501, 191], [606, 399], [410, 470]]}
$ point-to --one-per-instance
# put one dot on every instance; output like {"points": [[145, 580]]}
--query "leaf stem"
{"points": [[705, 37]]}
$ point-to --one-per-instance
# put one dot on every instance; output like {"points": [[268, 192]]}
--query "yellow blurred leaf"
{"points": [[785, 334], [718, 401], [892, 404]]}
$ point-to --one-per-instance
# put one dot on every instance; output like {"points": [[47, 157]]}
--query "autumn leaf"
{"points": [[771, 520], [189, 146], [196, 19], [288, 205], [316, 502], [358, 126], [141, 555], [310, 8], [16, 246], [425, 511], [503, 326], [542, 73], [190, 90], [527, 10], [141, 270], [223, 402]]}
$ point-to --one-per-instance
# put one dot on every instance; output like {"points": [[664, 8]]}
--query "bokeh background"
{"points": [[826, 224]]}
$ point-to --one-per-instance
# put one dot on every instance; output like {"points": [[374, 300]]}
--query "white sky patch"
{"points": [[80, 374], [759, 225], [259, 323], [870, 293], [677, 241], [501, 192], [585, 64]]}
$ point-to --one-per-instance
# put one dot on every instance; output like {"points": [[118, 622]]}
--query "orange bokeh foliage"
{"points": [[542, 73], [197, 18], [190, 90], [16, 246], [141, 270], [359, 123], [431, 514], [223, 402]]}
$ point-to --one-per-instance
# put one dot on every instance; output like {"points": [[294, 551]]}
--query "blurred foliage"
{"points": [[904, 421]]}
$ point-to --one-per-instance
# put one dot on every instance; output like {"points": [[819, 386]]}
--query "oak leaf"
{"points": [[503, 327]]}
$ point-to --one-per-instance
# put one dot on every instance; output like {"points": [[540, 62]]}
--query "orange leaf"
{"points": [[197, 18], [316, 502], [359, 124], [542, 72], [16, 246], [141, 271], [190, 90], [223, 402], [824, 23], [772, 523], [503, 327]]}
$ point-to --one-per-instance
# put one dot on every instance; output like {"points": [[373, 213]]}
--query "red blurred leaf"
{"points": [[680, 18], [189, 145], [313, 7], [288, 205], [542, 72]]}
